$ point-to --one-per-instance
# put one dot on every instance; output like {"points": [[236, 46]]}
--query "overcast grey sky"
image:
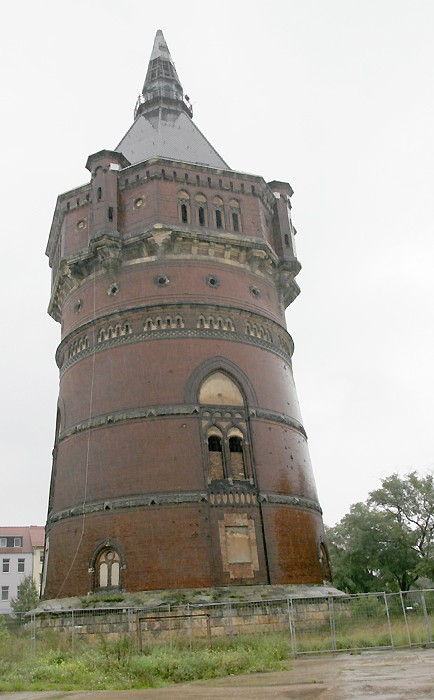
{"points": [[334, 96]]}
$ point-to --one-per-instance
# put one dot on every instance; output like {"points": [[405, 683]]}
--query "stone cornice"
{"points": [[231, 498], [153, 412], [253, 254]]}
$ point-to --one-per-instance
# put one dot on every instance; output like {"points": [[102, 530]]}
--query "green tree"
{"points": [[386, 543], [27, 596]]}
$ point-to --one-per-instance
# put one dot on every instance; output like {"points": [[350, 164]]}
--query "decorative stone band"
{"points": [[229, 498], [152, 412], [177, 333]]}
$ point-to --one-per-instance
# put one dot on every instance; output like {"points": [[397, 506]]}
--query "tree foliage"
{"points": [[27, 596], [386, 543]]}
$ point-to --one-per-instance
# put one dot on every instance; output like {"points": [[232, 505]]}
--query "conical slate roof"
{"points": [[163, 126]]}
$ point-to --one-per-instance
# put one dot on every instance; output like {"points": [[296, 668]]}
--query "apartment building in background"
{"points": [[21, 555]]}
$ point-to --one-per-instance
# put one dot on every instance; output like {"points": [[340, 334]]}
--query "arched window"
{"points": [[219, 212], [225, 429], [220, 390], [107, 569], [215, 456], [235, 215], [184, 207], [201, 209], [236, 457]]}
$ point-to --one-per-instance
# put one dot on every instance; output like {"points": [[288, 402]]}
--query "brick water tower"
{"points": [[180, 459]]}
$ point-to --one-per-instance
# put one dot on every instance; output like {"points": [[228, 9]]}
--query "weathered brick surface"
{"points": [[130, 450]]}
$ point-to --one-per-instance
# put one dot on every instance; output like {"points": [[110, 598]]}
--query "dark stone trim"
{"points": [[152, 412], [165, 334], [283, 500], [128, 313], [179, 499]]}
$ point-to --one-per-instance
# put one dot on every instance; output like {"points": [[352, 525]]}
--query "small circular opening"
{"points": [[113, 289], [162, 280], [212, 281], [255, 291]]}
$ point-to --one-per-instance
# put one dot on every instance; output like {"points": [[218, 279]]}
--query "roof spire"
{"points": [[161, 82]]}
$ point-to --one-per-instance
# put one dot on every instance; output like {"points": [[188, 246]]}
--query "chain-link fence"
{"points": [[312, 625]]}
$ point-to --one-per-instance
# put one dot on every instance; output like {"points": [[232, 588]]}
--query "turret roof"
{"points": [[163, 125]]}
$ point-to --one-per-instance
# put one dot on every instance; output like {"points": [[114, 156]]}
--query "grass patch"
{"points": [[114, 666]]}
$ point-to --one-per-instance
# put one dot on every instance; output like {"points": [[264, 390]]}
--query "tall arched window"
{"points": [[184, 207], [235, 215], [219, 214], [236, 457], [225, 430], [201, 210], [215, 456], [107, 569]]}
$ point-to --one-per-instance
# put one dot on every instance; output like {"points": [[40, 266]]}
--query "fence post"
{"points": [[332, 623], [405, 617], [291, 619], [72, 632], [32, 631], [190, 631], [425, 615], [388, 619]]}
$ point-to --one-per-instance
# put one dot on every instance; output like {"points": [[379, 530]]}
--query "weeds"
{"points": [[56, 668]]}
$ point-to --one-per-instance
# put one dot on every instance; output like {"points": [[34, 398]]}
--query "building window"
{"points": [[201, 208], [99, 194], [5, 567], [236, 457], [228, 454], [184, 207], [215, 454], [219, 212], [110, 213], [108, 569], [20, 566], [11, 542], [235, 215], [5, 593]]}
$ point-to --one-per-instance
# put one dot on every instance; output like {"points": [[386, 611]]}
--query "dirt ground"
{"points": [[392, 675]]}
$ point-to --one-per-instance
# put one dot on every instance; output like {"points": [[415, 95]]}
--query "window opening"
{"points": [[20, 566], [235, 221], [286, 239], [184, 217], [215, 451], [108, 569], [110, 213], [236, 455], [218, 219], [99, 194], [201, 216], [6, 566]]}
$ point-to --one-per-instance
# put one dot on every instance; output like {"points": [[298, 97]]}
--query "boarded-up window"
{"points": [[236, 456], [219, 389], [215, 452], [238, 545]]}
